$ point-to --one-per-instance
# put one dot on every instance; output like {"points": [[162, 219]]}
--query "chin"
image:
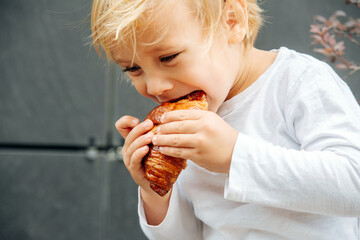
{"points": [[213, 109], [211, 106]]}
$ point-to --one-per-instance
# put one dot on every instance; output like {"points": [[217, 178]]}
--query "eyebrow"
{"points": [[161, 48], [118, 61]]}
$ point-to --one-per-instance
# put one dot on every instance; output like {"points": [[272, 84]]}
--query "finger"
{"points": [[137, 131], [185, 153], [138, 143], [175, 140], [179, 115], [125, 124], [183, 127], [136, 159]]}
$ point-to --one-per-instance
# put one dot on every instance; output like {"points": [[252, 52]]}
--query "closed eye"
{"points": [[131, 69], [169, 58]]}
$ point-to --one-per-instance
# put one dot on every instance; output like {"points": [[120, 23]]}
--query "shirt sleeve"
{"points": [[323, 175], [179, 223]]}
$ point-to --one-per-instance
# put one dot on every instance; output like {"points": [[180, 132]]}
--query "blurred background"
{"points": [[61, 173]]}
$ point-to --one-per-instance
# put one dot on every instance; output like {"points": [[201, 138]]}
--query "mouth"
{"points": [[181, 97], [178, 99]]}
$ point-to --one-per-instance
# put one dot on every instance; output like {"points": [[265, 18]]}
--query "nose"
{"points": [[156, 85]]}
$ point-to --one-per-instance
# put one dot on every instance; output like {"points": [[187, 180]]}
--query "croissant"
{"points": [[162, 170]]}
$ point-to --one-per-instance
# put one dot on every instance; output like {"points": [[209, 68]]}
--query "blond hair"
{"points": [[118, 21]]}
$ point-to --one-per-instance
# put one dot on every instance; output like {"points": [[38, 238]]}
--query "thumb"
{"points": [[125, 124]]}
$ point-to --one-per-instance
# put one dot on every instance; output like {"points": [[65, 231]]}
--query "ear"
{"points": [[235, 20]]}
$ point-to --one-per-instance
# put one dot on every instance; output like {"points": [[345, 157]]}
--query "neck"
{"points": [[253, 64]]}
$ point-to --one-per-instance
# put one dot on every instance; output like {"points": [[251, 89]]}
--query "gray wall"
{"points": [[60, 176]]}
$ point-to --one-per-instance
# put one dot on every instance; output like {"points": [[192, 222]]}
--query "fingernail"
{"points": [[154, 139], [150, 135], [162, 119], [147, 123], [135, 121], [161, 149], [158, 129]]}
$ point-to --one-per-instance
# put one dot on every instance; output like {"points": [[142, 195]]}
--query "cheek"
{"points": [[211, 83], [141, 88], [217, 85]]}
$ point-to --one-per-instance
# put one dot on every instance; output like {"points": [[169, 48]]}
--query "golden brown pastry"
{"points": [[161, 170]]}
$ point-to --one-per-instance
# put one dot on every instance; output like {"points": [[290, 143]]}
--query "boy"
{"points": [[276, 157]]}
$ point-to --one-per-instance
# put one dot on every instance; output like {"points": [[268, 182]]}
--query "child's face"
{"points": [[179, 63]]}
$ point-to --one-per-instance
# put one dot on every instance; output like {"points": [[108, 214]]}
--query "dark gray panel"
{"points": [[49, 196], [51, 82], [124, 223], [288, 24]]}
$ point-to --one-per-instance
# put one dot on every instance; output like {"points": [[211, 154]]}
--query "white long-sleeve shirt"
{"points": [[295, 170]]}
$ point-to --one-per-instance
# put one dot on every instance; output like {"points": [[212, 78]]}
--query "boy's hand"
{"points": [[135, 146], [134, 149], [201, 136]]}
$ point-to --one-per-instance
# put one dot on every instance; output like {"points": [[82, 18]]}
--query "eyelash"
{"points": [[162, 59], [131, 69], [169, 58]]}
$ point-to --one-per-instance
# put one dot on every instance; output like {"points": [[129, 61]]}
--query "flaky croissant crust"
{"points": [[161, 170]]}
